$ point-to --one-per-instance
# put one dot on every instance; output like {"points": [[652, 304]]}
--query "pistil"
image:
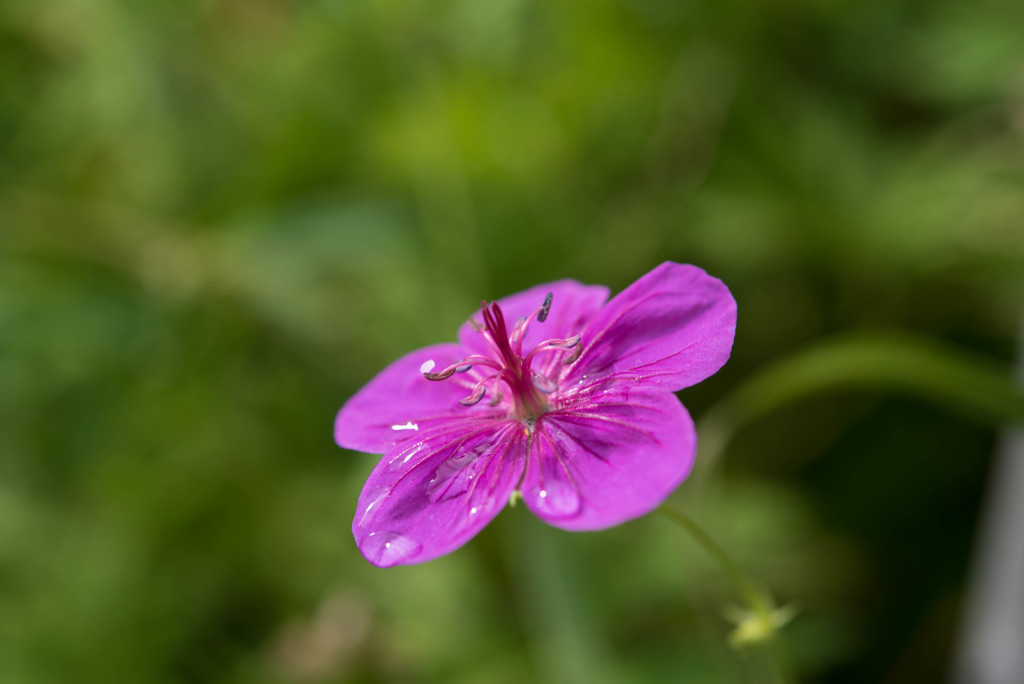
{"points": [[529, 391]]}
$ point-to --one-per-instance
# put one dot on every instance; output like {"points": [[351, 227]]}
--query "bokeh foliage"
{"points": [[218, 218]]}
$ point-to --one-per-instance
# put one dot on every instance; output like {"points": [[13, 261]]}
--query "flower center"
{"points": [[513, 372]]}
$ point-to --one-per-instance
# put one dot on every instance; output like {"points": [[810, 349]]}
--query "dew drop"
{"points": [[543, 383], [556, 499], [399, 462], [455, 475], [385, 549], [376, 498]]}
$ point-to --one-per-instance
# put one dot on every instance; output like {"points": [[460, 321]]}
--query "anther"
{"points": [[548, 345], [443, 375], [542, 315], [568, 343], [461, 366], [478, 393], [575, 354]]}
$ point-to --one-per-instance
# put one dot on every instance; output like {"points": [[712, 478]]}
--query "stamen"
{"points": [[542, 315], [443, 375], [522, 324], [548, 345], [571, 358], [505, 355], [567, 343], [478, 393], [462, 366], [518, 331]]}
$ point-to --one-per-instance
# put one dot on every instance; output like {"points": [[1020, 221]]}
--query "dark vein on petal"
{"points": [[592, 416], [565, 468], [431, 453], [581, 445], [622, 314]]}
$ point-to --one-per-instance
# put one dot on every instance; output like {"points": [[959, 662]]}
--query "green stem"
{"points": [[755, 599], [764, 621]]}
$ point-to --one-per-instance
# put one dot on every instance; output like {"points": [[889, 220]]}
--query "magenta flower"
{"points": [[555, 393]]}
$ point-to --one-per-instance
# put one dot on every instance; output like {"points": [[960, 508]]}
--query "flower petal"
{"points": [[608, 458], [399, 402], [429, 496], [572, 305], [671, 328]]}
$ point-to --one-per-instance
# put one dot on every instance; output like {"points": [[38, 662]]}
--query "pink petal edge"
{"points": [[671, 328], [399, 402]]}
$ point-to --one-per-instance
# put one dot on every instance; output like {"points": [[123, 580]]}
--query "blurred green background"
{"points": [[219, 218]]}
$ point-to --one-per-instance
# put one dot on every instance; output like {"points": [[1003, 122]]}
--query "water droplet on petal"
{"points": [[544, 383], [455, 475], [385, 549], [400, 462], [376, 498], [556, 499]]}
